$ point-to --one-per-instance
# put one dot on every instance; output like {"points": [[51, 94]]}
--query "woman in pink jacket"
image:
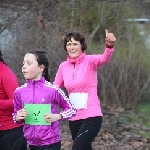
{"points": [[78, 74]]}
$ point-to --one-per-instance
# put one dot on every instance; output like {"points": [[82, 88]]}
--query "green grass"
{"points": [[142, 116], [144, 109], [143, 112]]}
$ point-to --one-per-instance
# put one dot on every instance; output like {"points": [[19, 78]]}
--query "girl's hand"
{"points": [[52, 117], [110, 38], [21, 114]]}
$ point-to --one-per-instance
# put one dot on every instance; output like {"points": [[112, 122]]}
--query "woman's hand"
{"points": [[21, 114], [52, 117], [110, 38]]}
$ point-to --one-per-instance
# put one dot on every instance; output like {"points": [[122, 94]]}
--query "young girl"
{"points": [[37, 90]]}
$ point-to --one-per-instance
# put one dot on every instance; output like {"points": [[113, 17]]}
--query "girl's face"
{"points": [[31, 70], [74, 48]]}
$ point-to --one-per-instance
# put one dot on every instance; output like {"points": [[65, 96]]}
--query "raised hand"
{"points": [[110, 38]]}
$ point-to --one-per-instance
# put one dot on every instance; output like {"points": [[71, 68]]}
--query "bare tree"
{"points": [[37, 24]]}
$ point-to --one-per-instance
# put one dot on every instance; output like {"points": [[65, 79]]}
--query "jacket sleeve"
{"points": [[101, 59], [59, 78], [68, 108], [10, 83], [17, 106]]}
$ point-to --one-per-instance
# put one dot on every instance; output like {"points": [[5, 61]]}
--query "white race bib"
{"points": [[79, 99]]}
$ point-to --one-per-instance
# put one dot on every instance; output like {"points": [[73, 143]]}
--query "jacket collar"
{"points": [[79, 59], [36, 82]]}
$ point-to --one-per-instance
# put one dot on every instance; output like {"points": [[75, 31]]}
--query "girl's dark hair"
{"points": [[42, 59], [78, 37]]}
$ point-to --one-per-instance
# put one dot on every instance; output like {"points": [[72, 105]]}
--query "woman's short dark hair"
{"points": [[1, 58], [78, 37], [42, 59]]}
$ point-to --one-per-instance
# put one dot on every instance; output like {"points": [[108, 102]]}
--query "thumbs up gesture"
{"points": [[110, 38]]}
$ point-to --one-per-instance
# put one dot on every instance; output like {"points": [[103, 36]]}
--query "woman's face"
{"points": [[74, 48]]}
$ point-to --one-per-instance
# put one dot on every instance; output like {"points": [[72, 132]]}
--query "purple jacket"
{"points": [[33, 92]]}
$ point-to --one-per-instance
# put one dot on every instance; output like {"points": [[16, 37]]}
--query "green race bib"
{"points": [[36, 114]]}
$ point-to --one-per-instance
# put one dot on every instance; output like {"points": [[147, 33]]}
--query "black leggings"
{"points": [[84, 131], [55, 146], [13, 139]]}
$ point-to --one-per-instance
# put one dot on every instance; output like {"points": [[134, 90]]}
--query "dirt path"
{"points": [[116, 134]]}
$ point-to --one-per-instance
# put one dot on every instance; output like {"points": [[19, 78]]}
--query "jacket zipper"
{"points": [[34, 103], [74, 65]]}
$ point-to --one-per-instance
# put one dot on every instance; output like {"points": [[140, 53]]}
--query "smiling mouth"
{"points": [[72, 51]]}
